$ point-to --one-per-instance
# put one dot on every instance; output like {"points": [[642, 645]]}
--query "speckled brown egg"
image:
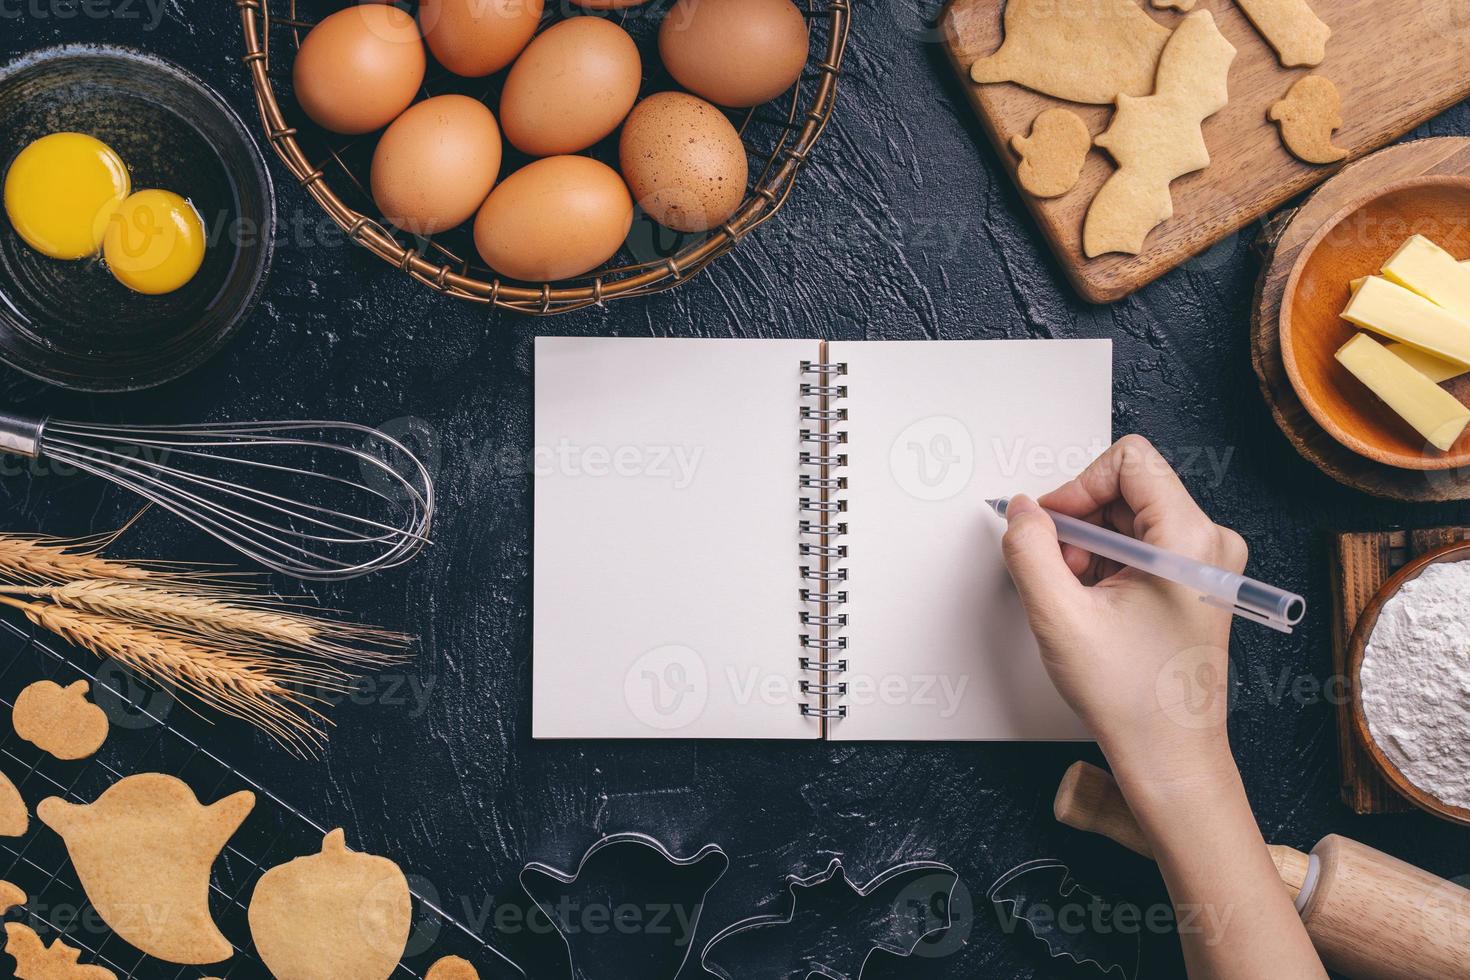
{"points": [[475, 38], [571, 87], [553, 219], [359, 68], [734, 52], [435, 165], [683, 161]]}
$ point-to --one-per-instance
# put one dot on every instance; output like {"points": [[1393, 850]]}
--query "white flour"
{"points": [[1416, 682]]}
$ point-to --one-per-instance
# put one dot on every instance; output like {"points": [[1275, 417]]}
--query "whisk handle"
{"points": [[21, 435]]}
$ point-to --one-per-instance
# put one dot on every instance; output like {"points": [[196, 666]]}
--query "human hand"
{"points": [[1143, 661]]}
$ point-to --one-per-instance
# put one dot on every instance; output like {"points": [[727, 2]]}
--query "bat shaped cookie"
{"points": [[835, 926]]}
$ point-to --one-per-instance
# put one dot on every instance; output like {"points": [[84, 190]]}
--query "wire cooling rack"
{"points": [[142, 740]]}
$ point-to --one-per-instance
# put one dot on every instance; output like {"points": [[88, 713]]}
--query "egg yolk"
{"points": [[154, 242], [60, 192]]}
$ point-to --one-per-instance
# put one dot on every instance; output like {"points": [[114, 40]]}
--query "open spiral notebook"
{"points": [[788, 539]]}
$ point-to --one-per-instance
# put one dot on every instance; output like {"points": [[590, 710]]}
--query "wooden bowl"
{"points": [[1458, 551], [1356, 242]]}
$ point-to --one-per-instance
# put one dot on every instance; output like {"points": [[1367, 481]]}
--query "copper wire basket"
{"points": [[779, 136]]}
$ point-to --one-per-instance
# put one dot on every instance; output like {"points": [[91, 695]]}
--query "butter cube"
{"points": [[1403, 315], [1436, 369], [1433, 273], [1436, 414]]}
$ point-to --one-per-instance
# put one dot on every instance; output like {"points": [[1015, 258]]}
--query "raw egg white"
{"points": [[475, 38], [436, 163], [735, 52], [571, 87], [359, 68], [60, 192], [554, 219], [154, 242], [683, 161]]}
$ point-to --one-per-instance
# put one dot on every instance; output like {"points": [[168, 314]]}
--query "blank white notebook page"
{"points": [[666, 569], [938, 645]]}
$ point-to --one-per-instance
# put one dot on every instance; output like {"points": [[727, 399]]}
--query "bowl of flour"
{"points": [[1411, 681]]}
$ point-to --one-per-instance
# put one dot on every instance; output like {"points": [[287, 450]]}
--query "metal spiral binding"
{"points": [[821, 507]]}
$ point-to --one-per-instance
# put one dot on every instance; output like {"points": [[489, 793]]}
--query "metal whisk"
{"points": [[315, 500]]}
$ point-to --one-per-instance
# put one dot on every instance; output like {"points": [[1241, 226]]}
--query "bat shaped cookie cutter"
{"points": [[903, 906], [615, 913], [1031, 886]]}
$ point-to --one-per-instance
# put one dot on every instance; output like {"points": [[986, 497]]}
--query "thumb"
{"points": [[1034, 556]]}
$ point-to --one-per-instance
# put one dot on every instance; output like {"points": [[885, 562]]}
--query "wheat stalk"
{"points": [[231, 619], [262, 690]]}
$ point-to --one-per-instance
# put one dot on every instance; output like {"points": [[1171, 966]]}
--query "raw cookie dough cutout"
{"points": [[452, 968], [35, 961], [1079, 50], [332, 915], [1290, 27], [11, 897], [60, 720], [15, 819], [147, 843], [1308, 115], [1053, 155], [1159, 138]]}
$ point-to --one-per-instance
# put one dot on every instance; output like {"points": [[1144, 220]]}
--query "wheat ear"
{"points": [[235, 620], [262, 690]]}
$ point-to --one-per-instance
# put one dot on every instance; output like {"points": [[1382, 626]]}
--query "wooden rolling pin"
{"points": [[1371, 916]]}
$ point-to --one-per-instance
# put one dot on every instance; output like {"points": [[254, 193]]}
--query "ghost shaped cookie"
{"points": [[147, 843], [1308, 115], [332, 915], [1053, 155], [60, 720]]}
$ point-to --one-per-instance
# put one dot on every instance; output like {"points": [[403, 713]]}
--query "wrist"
{"points": [[1161, 773]]}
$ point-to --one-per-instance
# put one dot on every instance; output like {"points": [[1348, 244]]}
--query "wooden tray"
{"points": [[1393, 73], [1361, 564], [1448, 155]]}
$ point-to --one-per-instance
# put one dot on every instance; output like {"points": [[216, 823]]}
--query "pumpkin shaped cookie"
{"points": [[452, 968], [337, 915], [147, 843], [15, 819], [60, 720]]}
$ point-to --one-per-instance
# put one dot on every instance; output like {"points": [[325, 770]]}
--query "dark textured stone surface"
{"points": [[904, 227]]}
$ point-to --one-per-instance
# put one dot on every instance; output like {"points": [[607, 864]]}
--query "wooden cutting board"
{"points": [[1396, 63], [1361, 563]]}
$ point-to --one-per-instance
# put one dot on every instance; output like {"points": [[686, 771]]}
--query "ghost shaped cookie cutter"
{"points": [[908, 897], [631, 943]]}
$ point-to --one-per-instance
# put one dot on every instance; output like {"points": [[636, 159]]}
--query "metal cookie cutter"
{"points": [[1073, 922], [835, 926], [631, 909]]}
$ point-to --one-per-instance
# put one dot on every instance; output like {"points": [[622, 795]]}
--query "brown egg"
{"points": [[683, 161], [554, 219], [436, 163], [478, 37], [734, 52], [571, 87], [359, 68]]}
